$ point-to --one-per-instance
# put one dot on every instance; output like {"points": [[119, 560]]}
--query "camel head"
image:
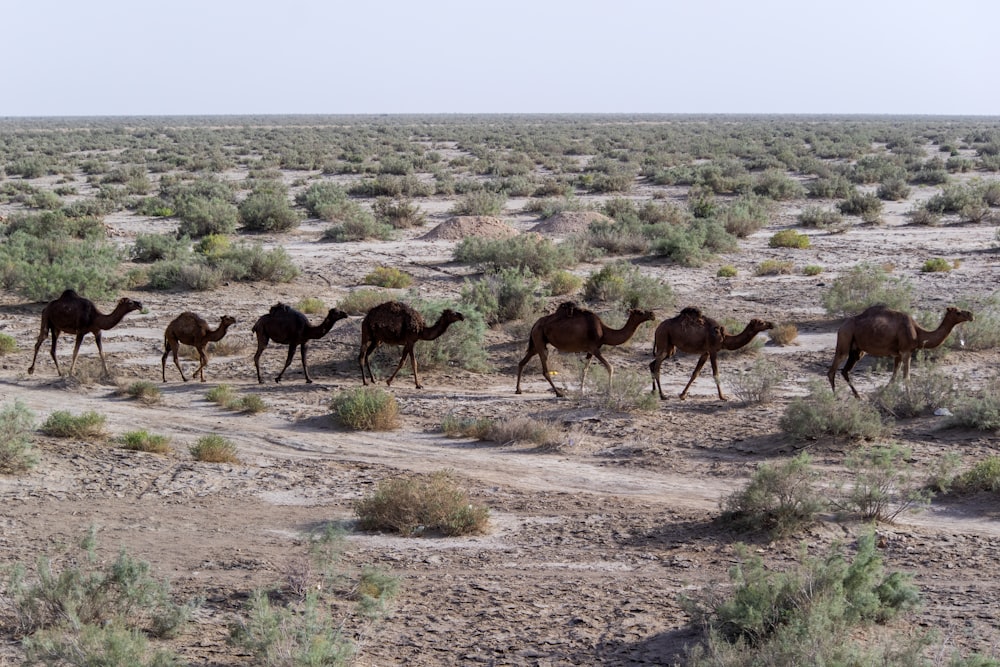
{"points": [[227, 321], [757, 326], [127, 305], [334, 316], [641, 316], [449, 316], [956, 316]]}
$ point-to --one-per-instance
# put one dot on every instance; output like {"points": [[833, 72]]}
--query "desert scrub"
{"points": [[366, 409], [867, 206], [922, 394], [360, 301], [812, 270], [398, 213], [40, 268], [775, 267], [508, 294], [758, 384], [622, 284], [983, 476], [883, 484], [807, 615], [462, 346], [157, 247], [783, 334], [357, 224], [980, 410], [628, 390], [780, 499], [311, 305], [503, 431], [17, 453], [789, 238], [226, 396], [480, 203], [63, 424], [387, 276], [865, 285], [562, 283], [267, 209], [8, 344], [693, 244], [937, 265], [144, 441], [221, 394], [823, 412], [532, 252], [415, 505], [726, 271], [143, 391], [214, 449], [820, 218]]}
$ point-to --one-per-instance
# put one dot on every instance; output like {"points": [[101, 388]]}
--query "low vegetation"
{"points": [[823, 413], [144, 441], [17, 451], [214, 448], [366, 409], [502, 431], [415, 505], [789, 238], [865, 285], [759, 384], [780, 499], [143, 391], [64, 424]]}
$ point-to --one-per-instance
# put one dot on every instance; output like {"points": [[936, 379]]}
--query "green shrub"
{"points": [[820, 218], [758, 384], [726, 271], [311, 305], [983, 476], [17, 452], [812, 270], [823, 412], [41, 268], [251, 404], [789, 238], [868, 206], [693, 244], [777, 185], [936, 265], [622, 284], [360, 301], [780, 499], [893, 189], [213, 246], [421, 504], [357, 224], [980, 411], [480, 203], [8, 344], [628, 391], [525, 251], [464, 344], [201, 216], [366, 409], [144, 391], [398, 213], [503, 431], [865, 285], [63, 424], [775, 267], [214, 448], [386, 276], [267, 211], [882, 484], [324, 200], [920, 395], [144, 441], [983, 333], [508, 294], [157, 247], [562, 283], [110, 645]]}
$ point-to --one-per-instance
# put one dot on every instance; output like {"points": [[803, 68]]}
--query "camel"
{"points": [[883, 332], [287, 326], [694, 333], [191, 329], [575, 329], [74, 314], [395, 323]]}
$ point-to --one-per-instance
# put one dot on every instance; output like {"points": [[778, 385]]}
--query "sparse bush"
{"points": [[40, 268], [17, 452], [920, 395], [775, 267], [480, 203], [387, 276], [324, 200], [743, 216], [695, 243], [780, 499], [398, 213], [525, 251], [158, 247], [868, 206], [893, 189], [775, 184], [983, 476], [783, 333], [268, 210], [63, 424], [221, 394], [789, 238], [8, 344], [251, 404], [366, 409], [562, 283], [144, 441], [820, 218], [357, 224], [360, 301], [463, 345], [502, 431], [311, 305], [422, 504], [144, 391], [980, 410], [759, 383], [726, 271], [201, 216], [936, 265], [812, 270], [508, 294], [622, 284], [882, 484], [865, 285], [214, 448], [628, 392], [823, 412]]}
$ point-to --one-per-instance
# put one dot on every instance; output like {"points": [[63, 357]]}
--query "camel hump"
{"points": [[691, 311], [280, 308]]}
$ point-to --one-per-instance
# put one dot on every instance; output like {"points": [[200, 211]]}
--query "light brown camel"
{"points": [[191, 329], [287, 326], [694, 333], [883, 332], [575, 329], [395, 323], [72, 313]]}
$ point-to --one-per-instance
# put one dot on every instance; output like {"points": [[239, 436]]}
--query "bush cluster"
{"points": [[422, 504], [824, 413], [366, 409], [865, 285], [17, 453]]}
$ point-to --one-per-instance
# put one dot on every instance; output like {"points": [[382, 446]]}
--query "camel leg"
{"points": [[305, 369], [520, 366], [413, 365], [261, 344], [607, 367], [203, 360], [100, 352], [38, 343], [832, 373], [76, 351], [365, 360], [408, 349], [288, 361], [583, 376], [697, 369], [543, 357], [715, 376], [654, 368], [852, 359]]}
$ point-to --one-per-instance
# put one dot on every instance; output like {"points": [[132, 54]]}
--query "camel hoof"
{"points": [[683, 397], [517, 391], [31, 371], [308, 381]]}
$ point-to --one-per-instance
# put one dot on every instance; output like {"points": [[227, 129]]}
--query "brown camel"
{"points": [[694, 333], [575, 329], [287, 326], [191, 329], [883, 332], [395, 323], [72, 313]]}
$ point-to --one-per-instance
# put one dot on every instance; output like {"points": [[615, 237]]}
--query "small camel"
{"points": [[395, 323], [191, 329], [575, 329], [74, 314], [287, 326], [694, 333], [883, 332]]}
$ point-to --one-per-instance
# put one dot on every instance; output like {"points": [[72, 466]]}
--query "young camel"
{"points": [[395, 323], [287, 326], [72, 313], [575, 329], [692, 332], [883, 332], [191, 329]]}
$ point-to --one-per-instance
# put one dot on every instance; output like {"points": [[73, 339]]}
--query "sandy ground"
{"points": [[590, 542]]}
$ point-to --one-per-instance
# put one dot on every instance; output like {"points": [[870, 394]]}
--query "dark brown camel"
{"points": [[883, 332], [72, 313], [191, 329], [395, 323], [287, 326], [694, 333], [575, 329]]}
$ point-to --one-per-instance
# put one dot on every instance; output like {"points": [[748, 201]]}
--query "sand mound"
{"points": [[568, 222], [461, 226]]}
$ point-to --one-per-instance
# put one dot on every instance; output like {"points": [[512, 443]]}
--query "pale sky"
{"points": [[186, 57]]}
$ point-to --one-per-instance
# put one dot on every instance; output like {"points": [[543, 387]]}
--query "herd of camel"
{"points": [[878, 331]]}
